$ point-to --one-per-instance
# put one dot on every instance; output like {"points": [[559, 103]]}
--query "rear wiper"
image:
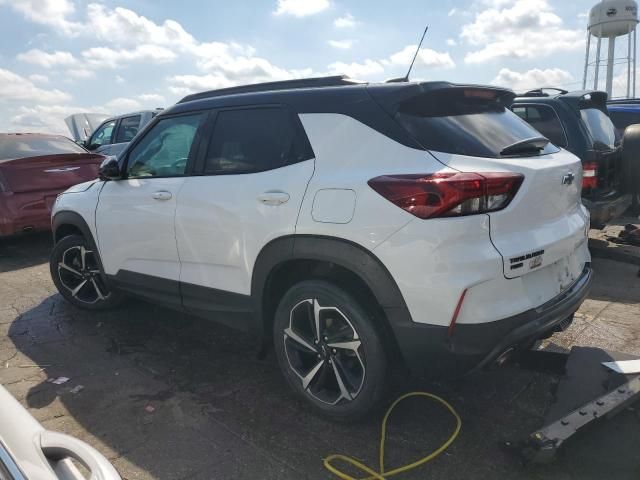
{"points": [[533, 144]]}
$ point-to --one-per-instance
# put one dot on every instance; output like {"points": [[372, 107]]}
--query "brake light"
{"points": [[449, 194], [589, 175]]}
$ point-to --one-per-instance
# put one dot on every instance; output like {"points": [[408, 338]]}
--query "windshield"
{"points": [[23, 146], [600, 127], [456, 122]]}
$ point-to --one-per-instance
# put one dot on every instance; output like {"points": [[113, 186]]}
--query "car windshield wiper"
{"points": [[533, 144]]}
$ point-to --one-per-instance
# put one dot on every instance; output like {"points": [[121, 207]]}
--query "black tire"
{"points": [[69, 251], [363, 371], [631, 159]]}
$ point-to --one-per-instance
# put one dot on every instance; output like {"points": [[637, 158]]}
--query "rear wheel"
{"points": [[76, 274], [329, 351]]}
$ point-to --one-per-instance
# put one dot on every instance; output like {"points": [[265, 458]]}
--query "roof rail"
{"points": [[334, 81], [540, 92]]}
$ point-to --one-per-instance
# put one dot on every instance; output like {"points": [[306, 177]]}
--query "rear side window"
{"points": [[600, 127], [544, 119], [464, 122], [22, 146], [128, 129], [255, 140]]}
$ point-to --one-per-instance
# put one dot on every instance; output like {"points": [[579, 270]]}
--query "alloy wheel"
{"points": [[79, 273], [324, 350]]}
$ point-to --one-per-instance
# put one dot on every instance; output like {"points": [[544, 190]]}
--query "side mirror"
{"points": [[90, 146], [109, 169]]}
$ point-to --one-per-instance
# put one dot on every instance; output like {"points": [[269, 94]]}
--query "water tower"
{"points": [[611, 19]]}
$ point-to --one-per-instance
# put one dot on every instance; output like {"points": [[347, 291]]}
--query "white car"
{"points": [[29, 452], [352, 226]]}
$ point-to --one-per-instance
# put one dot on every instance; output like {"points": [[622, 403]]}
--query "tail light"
{"points": [[589, 175], [449, 194]]}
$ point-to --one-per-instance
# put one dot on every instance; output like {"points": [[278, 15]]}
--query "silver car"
{"points": [[29, 452], [115, 133]]}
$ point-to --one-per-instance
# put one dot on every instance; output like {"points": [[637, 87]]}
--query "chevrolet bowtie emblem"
{"points": [[568, 178]]}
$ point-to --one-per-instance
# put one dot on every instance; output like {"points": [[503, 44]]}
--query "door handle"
{"points": [[58, 447], [162, 195], [273, 198]]}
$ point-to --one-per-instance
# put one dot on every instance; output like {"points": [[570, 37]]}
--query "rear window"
{"points": [[465, 122], [600, 127], [22, 146]]}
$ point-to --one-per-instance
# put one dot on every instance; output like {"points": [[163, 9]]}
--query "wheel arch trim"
{"points": [[66, 217], [341, 252]]}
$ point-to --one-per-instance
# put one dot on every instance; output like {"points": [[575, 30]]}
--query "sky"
{"points": [[59, 57]]}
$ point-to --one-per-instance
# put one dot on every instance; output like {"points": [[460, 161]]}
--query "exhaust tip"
{"points": [[504, 357]]}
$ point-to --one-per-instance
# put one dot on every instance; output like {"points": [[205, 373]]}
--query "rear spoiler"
{"points": [[586, 99], [391, 97]]}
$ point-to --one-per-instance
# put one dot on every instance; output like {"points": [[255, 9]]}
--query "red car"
{"points": [[34, 169]]}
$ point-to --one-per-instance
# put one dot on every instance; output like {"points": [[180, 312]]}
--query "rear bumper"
{"points": [[21, 213], [604, 211], [427, 349]]}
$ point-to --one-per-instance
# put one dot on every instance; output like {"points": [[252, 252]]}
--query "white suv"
{"points": [[354, 226]]}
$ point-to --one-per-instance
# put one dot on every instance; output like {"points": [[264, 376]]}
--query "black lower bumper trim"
{"points": [[427, 349]]}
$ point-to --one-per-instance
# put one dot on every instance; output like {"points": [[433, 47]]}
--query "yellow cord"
{"points": [[381, 474]]}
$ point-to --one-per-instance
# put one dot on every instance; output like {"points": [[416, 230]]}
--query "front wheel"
{"points": [[76, 274], [329, 350]]}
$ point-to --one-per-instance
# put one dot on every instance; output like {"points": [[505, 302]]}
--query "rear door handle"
{"points": [[273, 198], [162, 195]]}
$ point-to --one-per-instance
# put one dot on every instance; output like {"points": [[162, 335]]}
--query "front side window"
{"points": [[128, 129], [164, 150], [102, 136], [255, 140], [544, 119]]}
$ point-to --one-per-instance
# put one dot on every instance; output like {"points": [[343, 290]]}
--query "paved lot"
{"points": [[220, 413]]}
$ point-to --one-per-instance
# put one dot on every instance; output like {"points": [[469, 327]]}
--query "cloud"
{"points": [[534, 78], [301, 8], [53, 13], [526, 29], [426, 57], [452, 12], [43, 118], [105, 57], [119, 80], [341, 44], [18, 88], [122, 26], [37, 78], [151, 98], [347, 21], [356, 70], [80, 73], [43, 59], [122, 105], [451, 42]]}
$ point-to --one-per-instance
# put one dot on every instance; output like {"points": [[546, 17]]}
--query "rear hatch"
{"points": [[470, 129]]}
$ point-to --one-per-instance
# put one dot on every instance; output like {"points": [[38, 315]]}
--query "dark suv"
{"points": [[579, 122]]}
